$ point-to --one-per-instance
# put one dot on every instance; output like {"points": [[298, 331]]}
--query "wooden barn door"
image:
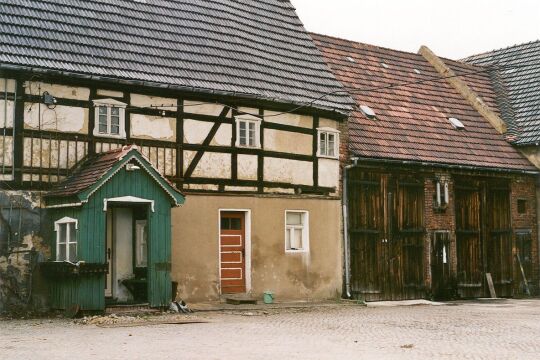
{"points": [[484, 237], [386, 231], [366, 234], [468, 238], [498, 246], [408, 235]]}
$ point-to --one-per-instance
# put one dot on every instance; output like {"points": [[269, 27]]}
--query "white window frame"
{"points": [[304, 228], [141, 243], [109, 104], [248, 119], [326, 131], [65, 221]]}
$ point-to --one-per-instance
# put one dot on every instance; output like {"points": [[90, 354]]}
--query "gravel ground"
{"points": [[504, 329]]}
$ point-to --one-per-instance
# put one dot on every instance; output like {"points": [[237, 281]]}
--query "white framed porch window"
{"points": [[66, 239], [248, 131], [328, 143], [141, 243], [109, 118], [296, 231]]}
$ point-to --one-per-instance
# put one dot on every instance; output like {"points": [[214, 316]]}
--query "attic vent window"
{"points": [[368, 112], [350, 59], [417, 71], [385, 65], [458, 125]]}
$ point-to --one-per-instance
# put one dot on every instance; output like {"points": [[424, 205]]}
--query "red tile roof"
{"points": [[412, 121], [91, 170]]}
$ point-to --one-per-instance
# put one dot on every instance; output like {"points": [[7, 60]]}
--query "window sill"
{"points": [[328, 157], [109, 136], [296, 251], [248, 147]]}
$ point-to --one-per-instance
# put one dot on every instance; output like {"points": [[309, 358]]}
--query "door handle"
{"points": [[109, 254]]}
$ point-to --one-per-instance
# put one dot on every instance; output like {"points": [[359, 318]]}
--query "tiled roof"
{"points": [[519, 88], [412, 121], [92, 170], [255, 49]]}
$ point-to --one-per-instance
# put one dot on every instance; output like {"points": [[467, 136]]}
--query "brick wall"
{"points": [[524, 188], [438, 219]]}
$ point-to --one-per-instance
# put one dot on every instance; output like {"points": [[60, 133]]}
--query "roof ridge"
{"points": [[493, 51]]}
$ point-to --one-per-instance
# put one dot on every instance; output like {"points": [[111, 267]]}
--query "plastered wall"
{"points": [[291, 276]]}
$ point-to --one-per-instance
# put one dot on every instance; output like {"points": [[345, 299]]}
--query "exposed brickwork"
{"points": [[524, 188], [438, 219]]}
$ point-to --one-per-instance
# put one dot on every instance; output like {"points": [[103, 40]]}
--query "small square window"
{"points": [[248, 132], [522, 206], [296, 231], [110, 118], [328, 143]]}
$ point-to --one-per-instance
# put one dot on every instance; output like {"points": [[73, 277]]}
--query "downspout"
{"points": [[346, 245]]}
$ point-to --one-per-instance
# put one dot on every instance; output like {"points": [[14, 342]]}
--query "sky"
{"points": [[451, 28]]}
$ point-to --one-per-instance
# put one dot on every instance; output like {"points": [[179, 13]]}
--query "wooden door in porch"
{"points": [[232, 252]]}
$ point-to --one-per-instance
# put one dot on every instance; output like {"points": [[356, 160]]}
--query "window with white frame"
{"points": [[141, 243], [248, 131], [296, 230], [66, 239], [109, 118], [328, 142]]}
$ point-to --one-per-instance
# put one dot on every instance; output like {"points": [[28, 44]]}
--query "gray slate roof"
{"points": [[518, 87], [244, 48]]}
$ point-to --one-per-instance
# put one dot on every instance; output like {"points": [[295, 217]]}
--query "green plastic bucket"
{"points": [[268, 297]]}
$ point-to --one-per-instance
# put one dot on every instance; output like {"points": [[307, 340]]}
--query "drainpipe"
{"points": [[346, 245]]}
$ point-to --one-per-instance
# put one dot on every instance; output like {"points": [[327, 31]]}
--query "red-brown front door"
{"points": [[232, 253]]}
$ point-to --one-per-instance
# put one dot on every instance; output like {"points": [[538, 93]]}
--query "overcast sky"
{"points": [[451, 28]]}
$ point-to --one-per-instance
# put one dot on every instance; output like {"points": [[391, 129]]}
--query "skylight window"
{"points": [[368, 112], [350, 59], [385, 65], [417, 71], [458, 125]]}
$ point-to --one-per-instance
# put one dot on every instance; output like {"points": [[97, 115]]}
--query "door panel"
{"points": [[232, 252], [468, 241]]}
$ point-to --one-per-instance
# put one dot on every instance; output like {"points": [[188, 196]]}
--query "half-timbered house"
{"points": [[437, 201], [113, 111]]}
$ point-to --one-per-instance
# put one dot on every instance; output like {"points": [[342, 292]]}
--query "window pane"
{"points": [[322, 143], [288, 238], [251, 134], [62, 233], [115, 111], [236, 224], [103, 124], [225, 223], [243, 133], [73, 252], [61, 256], [331, 145], [115, 129], [294, 218], [141, 243], [296, 243], [72, 232], [103, 110]]}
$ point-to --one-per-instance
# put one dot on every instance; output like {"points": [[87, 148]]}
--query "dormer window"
{"points": [[248, 131], [110, 118], [328, 143]]}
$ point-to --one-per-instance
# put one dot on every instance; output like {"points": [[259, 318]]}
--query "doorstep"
{"points": [[221, 306], [403, 303]]}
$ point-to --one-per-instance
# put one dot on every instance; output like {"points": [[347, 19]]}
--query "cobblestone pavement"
{"points": [[503, 329]]}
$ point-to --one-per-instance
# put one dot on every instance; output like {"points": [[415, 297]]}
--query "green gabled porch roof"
{"points": [[94, 172]]}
